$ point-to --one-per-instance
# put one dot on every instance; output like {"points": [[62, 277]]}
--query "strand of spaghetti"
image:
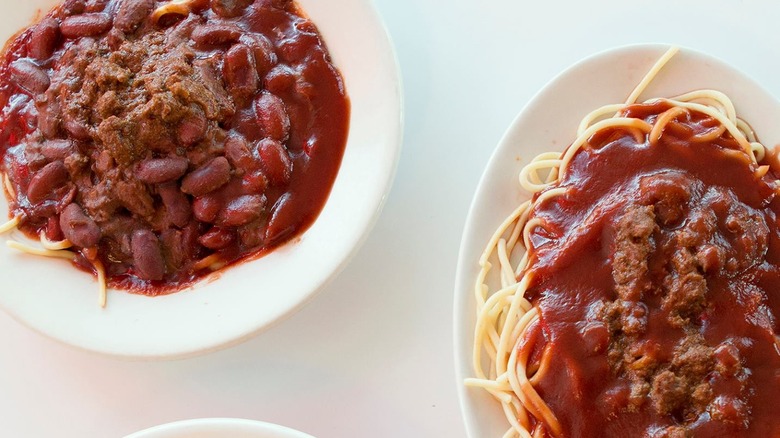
{"points": [[177, 7], [54, 246], [530, 398], [8, 186], [41, 252], [731, 127], [513, 316], [519, 426], [745, 128], [530, 225], [517, 214], [493, 312], [10, 225], [544, 365], [720, 100], [759, 151], [663, 119], [529, 176], [207, 263], [640, 88], [487, 384], [485, 335], [610, 123], [596, 114], [101, 279], [708, 136], [507, 273], [514, 237], [485, 327]]}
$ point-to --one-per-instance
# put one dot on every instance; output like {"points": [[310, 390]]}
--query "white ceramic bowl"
{"points": [[219, 428], [56, 299], [549, 123]]}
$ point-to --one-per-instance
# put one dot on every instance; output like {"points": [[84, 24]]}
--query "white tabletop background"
{"points": [[372, 355]]}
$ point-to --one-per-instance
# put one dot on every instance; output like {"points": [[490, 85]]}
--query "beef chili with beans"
{"points": [[166, 139]]}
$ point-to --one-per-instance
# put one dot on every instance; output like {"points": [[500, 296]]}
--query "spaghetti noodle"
{"points": [[509, 355]]}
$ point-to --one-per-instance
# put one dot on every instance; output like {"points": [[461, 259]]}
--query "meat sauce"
{"points": [[154, 135], [657, 277]]}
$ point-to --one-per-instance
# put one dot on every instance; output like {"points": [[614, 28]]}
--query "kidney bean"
{"points": [[85, 25], [207, 178], [217, 238], [57, 149], [43, 39], [206, 208], [72, 7], [238, 153], [160, 170], [53, 230], [207, 35], [230, 8], [294, 49], [147, 255], [252, 234], [131, 13], [115, 38], [180, 246], [76, 127], [176, 204], [49, 118], [43, 183], [242, 210], [276, 162], [279, 79], [29, 76], [282, 220], [254, 182], [192, 128], [272, 117], [240, 72], [172, 248], [96, 5], [263, 52], [79, 228]]}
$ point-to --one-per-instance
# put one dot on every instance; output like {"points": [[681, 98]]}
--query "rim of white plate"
{"points": [[219, 428]]}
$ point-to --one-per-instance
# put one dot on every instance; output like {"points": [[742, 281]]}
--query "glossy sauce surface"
{"points": [[657, 276]]}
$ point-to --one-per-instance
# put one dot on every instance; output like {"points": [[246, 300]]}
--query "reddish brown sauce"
{"points": [[153, 142], [657, 276]]}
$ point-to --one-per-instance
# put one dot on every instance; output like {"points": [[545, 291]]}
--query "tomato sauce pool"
{"points": [[168, 140], [657, 278]]}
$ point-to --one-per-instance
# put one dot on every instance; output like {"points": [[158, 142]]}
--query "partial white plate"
{"points": [[549, 123], [219, 428], [54, 298]]}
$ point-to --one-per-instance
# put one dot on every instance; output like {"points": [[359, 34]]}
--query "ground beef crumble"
{"points": [[661, 261]]}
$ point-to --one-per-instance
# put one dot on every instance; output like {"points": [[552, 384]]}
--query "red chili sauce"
{"points": [[657, 276], [154, 138]]}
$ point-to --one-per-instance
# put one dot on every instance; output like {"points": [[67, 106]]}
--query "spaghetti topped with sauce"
{"points": [[639, 286]]}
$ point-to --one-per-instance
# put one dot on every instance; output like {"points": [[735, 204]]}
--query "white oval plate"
{"points": [[56, 299], [219, 428], [549, 123]]}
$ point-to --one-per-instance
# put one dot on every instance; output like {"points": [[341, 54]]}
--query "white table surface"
{"points": [[372, 355]]}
